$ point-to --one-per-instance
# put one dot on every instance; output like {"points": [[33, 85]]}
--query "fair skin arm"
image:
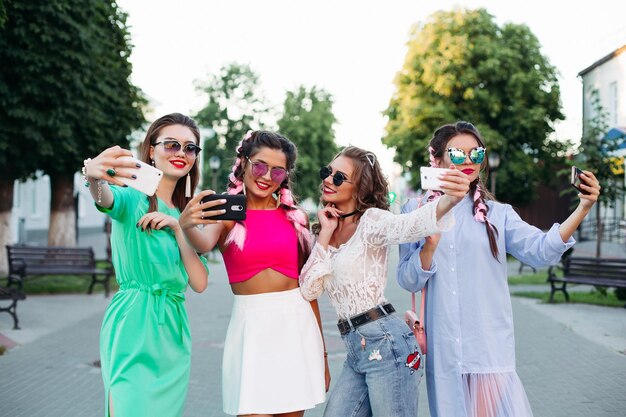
{"points": [[590, 184], [455, 186], [316, 311], [194, 267], [96, 170], [203, 240], [566, 230]]}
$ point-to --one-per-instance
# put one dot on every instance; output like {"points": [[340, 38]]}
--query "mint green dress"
{"points": [[145, 343]]}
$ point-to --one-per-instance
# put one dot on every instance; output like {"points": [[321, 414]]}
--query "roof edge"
{"points": [[603, 60]]}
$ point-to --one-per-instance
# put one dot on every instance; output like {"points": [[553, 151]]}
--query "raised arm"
{"points": [[591, 185], [381, 227], [98, 170], [197, 213], [416, 263]]}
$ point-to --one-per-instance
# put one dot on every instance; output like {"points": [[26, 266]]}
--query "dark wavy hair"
{"points": [[178, 197], [371, 186], [439, 145]]}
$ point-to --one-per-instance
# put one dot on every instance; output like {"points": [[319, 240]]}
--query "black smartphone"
{"points": [[575, 180], [235, 206]]}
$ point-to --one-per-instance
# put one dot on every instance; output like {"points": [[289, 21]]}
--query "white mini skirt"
{"points": [[273, 355]]}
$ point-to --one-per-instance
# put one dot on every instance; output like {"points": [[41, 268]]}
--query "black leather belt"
{"points": [[363, 318]]}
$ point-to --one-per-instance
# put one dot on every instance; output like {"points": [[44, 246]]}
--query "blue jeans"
{"points": [[381, 378]]}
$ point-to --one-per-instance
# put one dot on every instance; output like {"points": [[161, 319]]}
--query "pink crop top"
{"points": [[271, 242]]}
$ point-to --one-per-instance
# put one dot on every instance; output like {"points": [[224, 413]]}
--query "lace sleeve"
{"points": [[317, 268], [382, 228]]}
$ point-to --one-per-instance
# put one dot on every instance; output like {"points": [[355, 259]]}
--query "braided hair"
{"points": [[437, 147], [249, 146]]}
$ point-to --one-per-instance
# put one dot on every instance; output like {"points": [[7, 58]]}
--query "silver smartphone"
{"points": [[148, 177], [429, 177]]}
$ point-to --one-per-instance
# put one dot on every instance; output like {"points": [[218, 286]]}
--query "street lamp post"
{"points": [[214, 164], [494, 162]]}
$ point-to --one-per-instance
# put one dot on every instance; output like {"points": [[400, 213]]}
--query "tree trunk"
{"points": [[6, 205], [62, 230], [598, 231]]}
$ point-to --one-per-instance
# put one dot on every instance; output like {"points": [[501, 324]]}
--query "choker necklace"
{"points": [[343, 216]]}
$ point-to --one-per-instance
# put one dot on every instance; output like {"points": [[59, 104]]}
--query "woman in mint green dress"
{"points": [[145, 343]]}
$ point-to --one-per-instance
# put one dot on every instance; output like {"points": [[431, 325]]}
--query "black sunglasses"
{"points": [[338, 179], [173, 146]]}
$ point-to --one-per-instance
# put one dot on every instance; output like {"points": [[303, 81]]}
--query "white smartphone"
{"points": [[429, 177], [148, 177]]}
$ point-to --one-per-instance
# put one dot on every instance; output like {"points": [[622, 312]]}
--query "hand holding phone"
{"points": [[429, 177], [575, 180], [147, 177], [235, 206]]}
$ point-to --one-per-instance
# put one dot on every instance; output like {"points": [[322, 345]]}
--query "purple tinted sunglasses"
{"points": [[258, 169]]}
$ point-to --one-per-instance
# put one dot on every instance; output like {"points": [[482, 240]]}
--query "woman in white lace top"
{"points": [[349, 261]]}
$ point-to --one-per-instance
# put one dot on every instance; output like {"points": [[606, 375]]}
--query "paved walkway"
{"points": [[566, 369]]}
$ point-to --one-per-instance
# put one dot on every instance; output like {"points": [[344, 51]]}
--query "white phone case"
{"points": [[429, 177], [148, 177]]}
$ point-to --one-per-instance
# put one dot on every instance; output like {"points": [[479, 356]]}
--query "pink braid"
{"points": [[480, 212], [297, 217], [238, 233]]}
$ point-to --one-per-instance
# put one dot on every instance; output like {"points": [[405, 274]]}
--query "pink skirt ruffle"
{"points": [[495, 395]]}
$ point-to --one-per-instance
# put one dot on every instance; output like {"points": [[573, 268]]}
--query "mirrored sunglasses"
{"points": [[259, 169], [458, 156], [338, 178], [172, 146]]}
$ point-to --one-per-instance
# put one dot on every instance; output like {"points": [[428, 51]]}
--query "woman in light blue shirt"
{"points": [[470, 370]]}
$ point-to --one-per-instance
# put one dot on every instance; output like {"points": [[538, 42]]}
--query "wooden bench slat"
{"points": [[591, 271]]}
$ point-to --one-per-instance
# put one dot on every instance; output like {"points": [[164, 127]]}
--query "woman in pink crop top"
{"points": [[274, 357]]}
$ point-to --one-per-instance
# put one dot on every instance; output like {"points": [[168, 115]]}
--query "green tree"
{"points": [[234, 106], [595, 153], [65, 94], [308, 120], [461, 65]]}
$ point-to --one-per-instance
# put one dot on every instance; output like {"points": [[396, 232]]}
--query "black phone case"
{"points": [[235, 206], [577, 173]]}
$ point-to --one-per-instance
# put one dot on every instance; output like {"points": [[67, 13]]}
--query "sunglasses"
{"points": [[173, 146], [457, 156], [259, 169], [338, 179]]}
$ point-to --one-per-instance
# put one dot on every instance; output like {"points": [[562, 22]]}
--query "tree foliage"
{"points": [[308, 120], [596, 151], [461, 65], [65, 92], [234, 106]]}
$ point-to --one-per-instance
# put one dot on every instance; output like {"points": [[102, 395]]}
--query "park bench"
{"points": [[601, 272], [13, 295], [29, 261]]}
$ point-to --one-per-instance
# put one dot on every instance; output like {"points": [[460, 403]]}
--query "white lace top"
{"points": [[355, 273]]}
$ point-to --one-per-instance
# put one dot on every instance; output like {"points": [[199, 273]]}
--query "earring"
{"points": [[152, 161], [244, 188], [278, 195], [188, 186]]}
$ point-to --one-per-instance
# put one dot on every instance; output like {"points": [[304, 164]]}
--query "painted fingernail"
{"points": [[138, 165], [124, 185], [137, 225], [223, 201], [133, 177]]}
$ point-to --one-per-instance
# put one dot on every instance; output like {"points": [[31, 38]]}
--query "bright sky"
{"points": [[351, 48]]}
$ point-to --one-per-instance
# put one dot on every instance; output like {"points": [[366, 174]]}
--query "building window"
{"points": [[613, 104], [33, 201]]}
